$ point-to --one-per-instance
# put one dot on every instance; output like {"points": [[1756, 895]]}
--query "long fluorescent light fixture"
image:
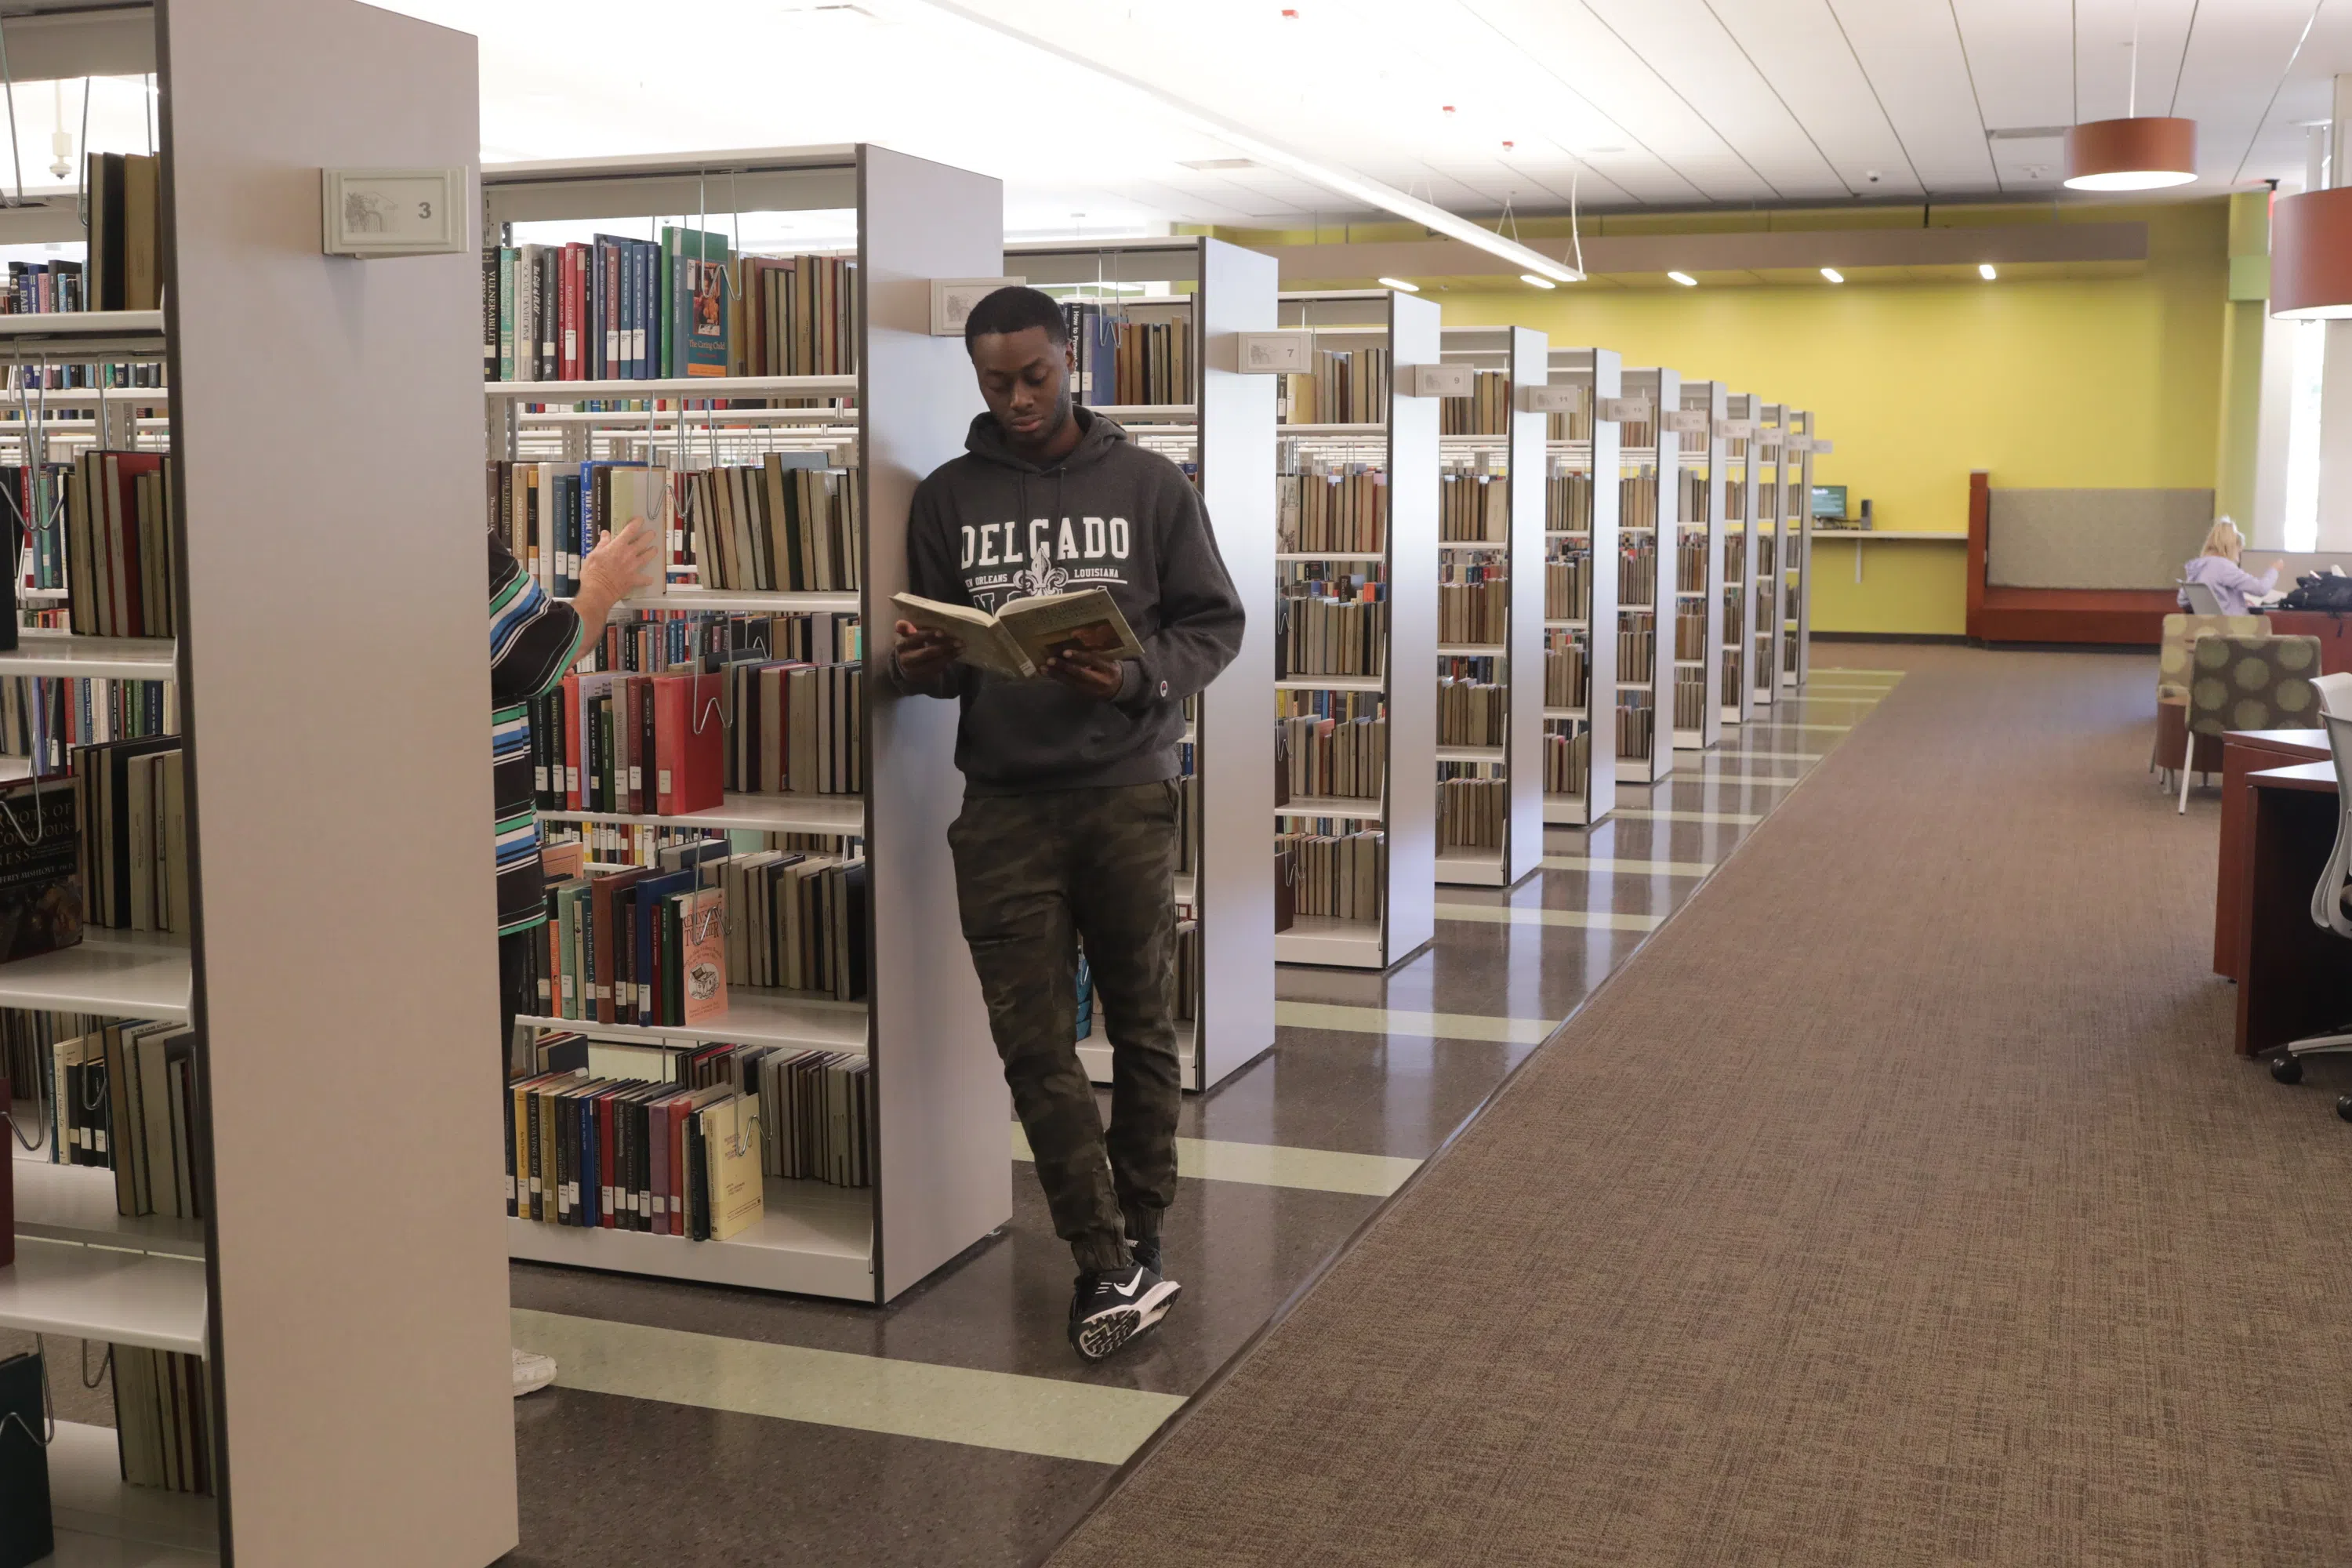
{"points": [[1397, 283], [1330, 176]]}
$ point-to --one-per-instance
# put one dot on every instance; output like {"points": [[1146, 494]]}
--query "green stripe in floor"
{"points": [[1621, 865], [1417, 1026], [1048, 1415], [1278, 1166], [1514, 914]]}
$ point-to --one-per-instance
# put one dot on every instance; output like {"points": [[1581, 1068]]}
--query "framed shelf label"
{"points": [[1687, 421], [1823, 446], [1439, 381], [374, 212], [1736, 429], [1626, 410], [1799, 443], [1276, 353], [1552, 399], [953, 298]]}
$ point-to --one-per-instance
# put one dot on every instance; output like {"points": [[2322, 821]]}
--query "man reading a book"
{"points": [[1072, 813]]}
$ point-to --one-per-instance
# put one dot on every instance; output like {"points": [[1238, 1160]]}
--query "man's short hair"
{"points": [[1015, 309]]}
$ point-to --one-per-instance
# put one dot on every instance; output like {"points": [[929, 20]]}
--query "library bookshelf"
{"points": [[1215, 291], [1770, 492], [1797, 599], [940, 1179], [1584, 446], [1501, 443], [1699, 555], [1737, 690], [1402, 443], [1649, 466], [386, 1283]]}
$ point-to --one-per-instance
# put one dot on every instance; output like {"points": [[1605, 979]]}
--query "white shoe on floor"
{"points": [[532, 1371]]}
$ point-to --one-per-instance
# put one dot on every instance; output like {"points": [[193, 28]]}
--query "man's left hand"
{"points": [[1087, 674]]}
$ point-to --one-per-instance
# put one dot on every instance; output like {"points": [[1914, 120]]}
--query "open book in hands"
{"points": [[1018, 640]]}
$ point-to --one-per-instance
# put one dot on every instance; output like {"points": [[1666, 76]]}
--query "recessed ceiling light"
{"points": [[1533, 282], [1832, 274], [1400, 283], [1985, 271], [1685, 278]]}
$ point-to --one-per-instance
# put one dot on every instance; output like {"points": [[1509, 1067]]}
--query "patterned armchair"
{"points": [[2249, 683], [2172, 661]]}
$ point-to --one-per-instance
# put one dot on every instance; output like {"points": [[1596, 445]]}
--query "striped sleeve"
{"points": [[533, 639]]}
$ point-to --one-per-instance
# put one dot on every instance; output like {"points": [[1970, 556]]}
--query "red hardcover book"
{"points": [[690, 743], [575, 276], [601, 892], [570, 761]]}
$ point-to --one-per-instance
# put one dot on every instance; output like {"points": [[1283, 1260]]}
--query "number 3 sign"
{"points": [[392, 212]]}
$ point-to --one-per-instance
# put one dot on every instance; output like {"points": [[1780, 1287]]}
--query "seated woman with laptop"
{"points": [[2216, 568]]}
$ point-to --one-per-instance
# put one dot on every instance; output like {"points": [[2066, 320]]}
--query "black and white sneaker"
{"points": [[1108, 1309], [1147, 1252]]}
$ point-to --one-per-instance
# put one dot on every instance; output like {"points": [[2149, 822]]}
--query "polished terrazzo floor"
{"points": [[955, 1426]]}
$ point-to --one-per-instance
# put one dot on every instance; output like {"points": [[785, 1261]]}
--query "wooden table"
{"points": [[2245, 753], [2334, 632], [2293, 977]]}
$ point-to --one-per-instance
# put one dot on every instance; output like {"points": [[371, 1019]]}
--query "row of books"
{"points": [[1329, 637], [1486, 411], [1637, 715], [1567, 584], [1637, 570], [1567, 502], [1637, 644], [551, 514], [1472, 813], [1471, 712], [1637, 499], [1573, 424], [1347, 386], [1732, 666], [1788, 641], [35, 499], [662, 640], [1341, 876], [1334, 757], [1690, 699], [162, 1418], [45, 719], [1128, 361], [1690, 506], [1567, 668], [1638, 435], [631, 1155], [1331, 506], [121, 577], [1735, 502], [644, 948], [618, 845], [1690, 560], [1690, 630], [1474, 604], [28, 1036], [782, 526], [1568, 760], [123, 201], [43, 287], [1735, 560], [134, 835], [611, 308], [795, 728], [797, 921], [122, 1099], [1474, 508], [799, 316], [1343, 706]]}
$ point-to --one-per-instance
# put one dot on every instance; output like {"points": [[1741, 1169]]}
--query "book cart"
{"points": [[343, 1245], [1771, 496], [1700, 563], [1490, 804], [1582, 441], [1649, 588], [1398, 333], [940, 1181], [1223, 433], [1797, 612], [1739, 556]]}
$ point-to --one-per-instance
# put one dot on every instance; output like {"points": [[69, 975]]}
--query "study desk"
{"points": [[2245, 753], [2334, 632], [2295, 978]]}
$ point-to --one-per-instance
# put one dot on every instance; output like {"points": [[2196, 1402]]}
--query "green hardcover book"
{"points": [[506, 255], [695, 303]]}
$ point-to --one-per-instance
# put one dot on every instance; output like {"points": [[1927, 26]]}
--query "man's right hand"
{"points": [[621, 563], [924, 653]]}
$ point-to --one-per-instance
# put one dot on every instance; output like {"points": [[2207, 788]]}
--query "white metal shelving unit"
{"points": [[1797, 599], [1766, 562], [942, 1182], [1597, 373], [1736, 689], [1704, 408], [1406, 445], [1222, 291], [1654, 473]]}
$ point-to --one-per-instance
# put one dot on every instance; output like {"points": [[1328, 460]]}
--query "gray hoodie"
{"points": [[989, 528]]}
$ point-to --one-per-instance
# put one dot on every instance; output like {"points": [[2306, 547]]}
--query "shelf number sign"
{"points": [[369, 213]]}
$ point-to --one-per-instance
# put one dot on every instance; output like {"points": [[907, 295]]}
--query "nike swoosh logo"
{"points": [[1130, 1289]]}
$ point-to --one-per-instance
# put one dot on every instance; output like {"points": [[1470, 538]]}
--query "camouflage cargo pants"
{"points": [[1035, 873]]}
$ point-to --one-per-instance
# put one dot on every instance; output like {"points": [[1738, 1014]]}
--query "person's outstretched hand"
{"points": [[621, 563]]}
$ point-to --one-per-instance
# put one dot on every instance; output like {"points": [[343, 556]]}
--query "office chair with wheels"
{"points": [[2327, 911], [2203, 600]]}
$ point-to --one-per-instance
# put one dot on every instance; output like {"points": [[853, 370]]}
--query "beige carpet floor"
{"points": [[1902, 1202]]}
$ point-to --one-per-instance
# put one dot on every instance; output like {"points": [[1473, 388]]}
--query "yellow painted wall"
{"points": [[2044, 381]]}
